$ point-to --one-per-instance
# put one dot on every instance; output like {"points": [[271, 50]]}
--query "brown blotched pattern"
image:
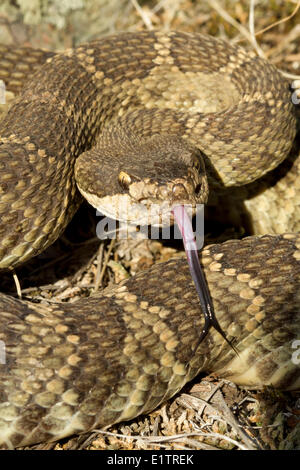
{"points": [[69, 368], [73, 367], [70, 99]]}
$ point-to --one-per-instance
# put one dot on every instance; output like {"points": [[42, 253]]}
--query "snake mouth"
{"points": [[148, 211]]}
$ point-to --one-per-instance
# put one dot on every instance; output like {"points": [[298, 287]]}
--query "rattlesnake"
{"points": [[172, 98]]}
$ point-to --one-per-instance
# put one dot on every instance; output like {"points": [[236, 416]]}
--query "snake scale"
{"points": [[145, 102]]}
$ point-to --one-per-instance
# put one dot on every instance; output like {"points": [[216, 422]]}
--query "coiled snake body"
{"points": [[173, 99]]}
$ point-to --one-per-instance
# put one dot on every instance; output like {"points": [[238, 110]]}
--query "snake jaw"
{"points": [[146, 201]]}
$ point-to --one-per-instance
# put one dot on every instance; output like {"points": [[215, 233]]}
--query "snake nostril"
{"points": [[198, 188]]}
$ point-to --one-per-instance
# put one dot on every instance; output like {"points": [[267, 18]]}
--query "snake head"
{"points": [[141, 181]]}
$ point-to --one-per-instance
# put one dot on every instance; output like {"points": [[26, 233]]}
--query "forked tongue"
{"points": [[186, 230]]}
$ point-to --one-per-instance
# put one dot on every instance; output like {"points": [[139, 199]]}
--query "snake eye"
{"points": [[124, 179]]}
